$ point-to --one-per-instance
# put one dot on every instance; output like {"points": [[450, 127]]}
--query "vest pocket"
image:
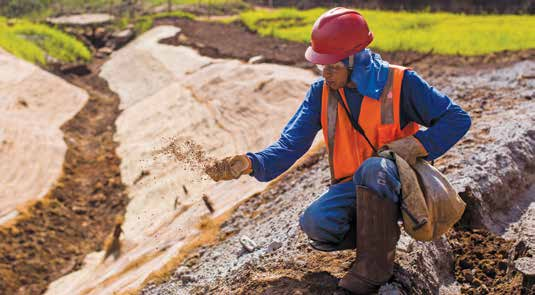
{"points": [[385, 134]]}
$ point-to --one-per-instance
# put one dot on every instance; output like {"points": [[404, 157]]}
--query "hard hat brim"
{"points": [[322, 58]]}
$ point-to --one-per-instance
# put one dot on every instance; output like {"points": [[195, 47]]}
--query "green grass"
{"points": [[33, 42], [40, 9], [444, 33], [190, 2], [145, 22]]}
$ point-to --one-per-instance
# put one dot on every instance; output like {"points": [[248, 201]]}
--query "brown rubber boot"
{"points": [[377, 236]]}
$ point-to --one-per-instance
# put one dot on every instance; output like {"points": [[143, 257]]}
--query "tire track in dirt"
{"points": [[52, 236]]}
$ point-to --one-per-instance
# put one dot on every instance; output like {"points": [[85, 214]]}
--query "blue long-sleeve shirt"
{"points": [[446, 124]]}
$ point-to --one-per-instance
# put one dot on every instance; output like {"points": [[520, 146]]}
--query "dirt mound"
{"points": [[52, 237], [482, 263]]}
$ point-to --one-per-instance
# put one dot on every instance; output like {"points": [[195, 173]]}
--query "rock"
{"points": [[405, 243], [99, 33], [124, 34], [247, 243], [468, 275], [181, 270], [79, 69], [389, 289], [79, 210], [123, 37], [90, 19], [274, 246], [256, 59], [526, 266], [105, 50]]}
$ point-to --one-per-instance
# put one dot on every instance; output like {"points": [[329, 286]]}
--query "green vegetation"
{"points": [[199, 2], [40, 9], [33, 42], [145, 22], [444, 33]]}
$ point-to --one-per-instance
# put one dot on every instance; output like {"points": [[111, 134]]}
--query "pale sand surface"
{"points": [[225, 106], [33, 106], [81, 19]]}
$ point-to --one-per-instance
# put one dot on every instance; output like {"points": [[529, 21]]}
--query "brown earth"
{"points": [[485, 253], [53, 235], [482, 263], [219, 40], [234, 40], [482, 259]]}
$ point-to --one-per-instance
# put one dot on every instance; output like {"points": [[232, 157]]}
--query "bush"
{"points": [[33, 42]]}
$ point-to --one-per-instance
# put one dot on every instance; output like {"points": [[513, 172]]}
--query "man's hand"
{"points": [[409, 148], [229, 168]]}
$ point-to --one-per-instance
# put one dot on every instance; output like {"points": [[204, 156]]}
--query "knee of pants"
{"points": [[381, 176], [317, 226]]}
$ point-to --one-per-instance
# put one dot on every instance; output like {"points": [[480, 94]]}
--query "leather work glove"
{"points": [[409, 148], [229, 168]]}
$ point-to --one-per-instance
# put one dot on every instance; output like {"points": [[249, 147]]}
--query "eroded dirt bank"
{"points": [[52, 237], [170, 92], [284, 263], [490, 167], [234, 40], [34, 104]]}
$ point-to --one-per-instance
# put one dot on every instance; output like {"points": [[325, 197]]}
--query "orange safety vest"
{"points": [[347, 148]]}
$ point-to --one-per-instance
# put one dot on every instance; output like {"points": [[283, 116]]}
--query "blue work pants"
{"points": [[331, 217]]}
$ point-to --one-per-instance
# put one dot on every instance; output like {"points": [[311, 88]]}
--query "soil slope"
{"points": [[175, 99], [51, 237], [490, 167], [33, 106]]}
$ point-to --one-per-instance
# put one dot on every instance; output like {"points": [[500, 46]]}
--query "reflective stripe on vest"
{"points": [[379, 118]]}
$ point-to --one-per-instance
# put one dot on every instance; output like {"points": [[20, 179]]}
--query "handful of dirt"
{"points": [[187, 152]]}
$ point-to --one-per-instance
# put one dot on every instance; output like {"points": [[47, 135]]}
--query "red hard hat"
{"points": [[337, 34]]}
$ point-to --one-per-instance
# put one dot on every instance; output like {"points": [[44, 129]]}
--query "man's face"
{"points": [[335, 75]]}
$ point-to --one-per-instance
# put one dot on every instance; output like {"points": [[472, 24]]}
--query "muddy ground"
{"points": [[52, 237]]}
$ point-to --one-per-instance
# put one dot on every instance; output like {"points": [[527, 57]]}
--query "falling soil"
{"points": [[52, 236], [482, 263], [186, 151]]}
